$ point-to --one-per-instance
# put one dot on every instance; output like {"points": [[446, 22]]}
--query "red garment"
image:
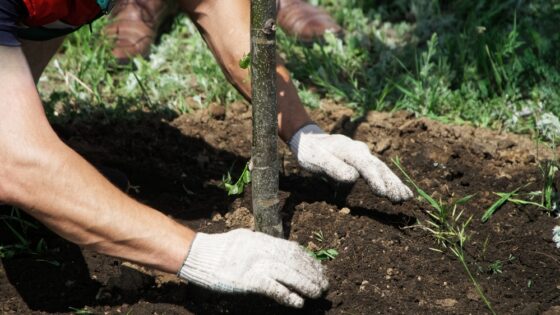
{"points": [[73, 12]]}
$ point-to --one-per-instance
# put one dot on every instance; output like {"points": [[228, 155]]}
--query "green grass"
{"points": [[548, 194], [321, 253], [490, 63], [486, 62], [23, 244], [180, 75], [497, 266], [447, 225], [81, 311]]}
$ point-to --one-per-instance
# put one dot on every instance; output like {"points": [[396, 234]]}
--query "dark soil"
{"points": [[385, 263]]}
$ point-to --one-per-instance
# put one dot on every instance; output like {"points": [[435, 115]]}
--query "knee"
{"points": [[239, 77], [230, 63]]}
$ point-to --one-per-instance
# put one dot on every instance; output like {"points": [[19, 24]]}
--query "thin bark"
{"points": [[266, 206]]}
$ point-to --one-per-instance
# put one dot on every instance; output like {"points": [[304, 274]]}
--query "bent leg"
{"points": [[225, 26], [38, 54]]}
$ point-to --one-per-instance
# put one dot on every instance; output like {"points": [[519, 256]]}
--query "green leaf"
{"points": [[246, 175], [464, 200], [422, 193], [239, 186], [326, 254], [525, 202], [503, 198], [245, 61], [430, 200], [332, 253]]}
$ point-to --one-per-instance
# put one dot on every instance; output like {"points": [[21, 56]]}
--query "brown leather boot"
{"points": [[136, 25], [305, 21]]}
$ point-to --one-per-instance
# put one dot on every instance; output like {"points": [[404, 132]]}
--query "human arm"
{"points": [[58, 187], [224, 26], [47, 179]]}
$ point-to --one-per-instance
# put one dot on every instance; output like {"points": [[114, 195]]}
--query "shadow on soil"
{"points": [[173, 173]]}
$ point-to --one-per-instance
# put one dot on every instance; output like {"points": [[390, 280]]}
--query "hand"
{"points": [[345, 160], [242, 261]]}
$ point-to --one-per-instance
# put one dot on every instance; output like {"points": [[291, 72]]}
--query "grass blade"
{"points": [[464, 200], [422, 193], [503, 198]]}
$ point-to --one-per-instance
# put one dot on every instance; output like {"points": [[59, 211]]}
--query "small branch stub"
{"points": [[269, 27]]}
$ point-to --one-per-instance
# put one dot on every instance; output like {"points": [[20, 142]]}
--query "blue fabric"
{"points": [[104, 4], [11, 11], [14, 11]]}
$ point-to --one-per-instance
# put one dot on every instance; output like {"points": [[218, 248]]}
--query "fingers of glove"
{"points": [[294, 257], [279, 293], [376, 173], [299, 257], [310, 266], [397, 190], [308, 285], [324, 162]]}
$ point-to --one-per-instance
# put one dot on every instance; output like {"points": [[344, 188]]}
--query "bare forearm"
{"points": [[74, 200], [229, 42], [291, 113], [54, 184]]}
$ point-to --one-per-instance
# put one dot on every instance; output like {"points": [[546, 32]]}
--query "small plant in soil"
{"points": [[325, 254], [497, 266], [448, 227], [239, 186], [504, 197], [321, 253], [19, 227], [549, 195], [81, 311]]}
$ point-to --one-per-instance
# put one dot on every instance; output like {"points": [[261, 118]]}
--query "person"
{"points": [[42, 175], [136, 24]]}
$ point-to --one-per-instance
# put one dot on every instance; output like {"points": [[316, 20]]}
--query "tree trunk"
{"points": [[266, 206]]}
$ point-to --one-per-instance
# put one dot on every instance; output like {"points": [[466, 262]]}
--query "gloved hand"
{"points": [[345, 160], [242, 261]]}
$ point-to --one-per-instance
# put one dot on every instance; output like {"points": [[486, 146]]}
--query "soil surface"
{"points": [[385, 265]]}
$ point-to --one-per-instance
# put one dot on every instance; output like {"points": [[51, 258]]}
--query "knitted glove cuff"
{"points": [[294, 143], [204, 257]]}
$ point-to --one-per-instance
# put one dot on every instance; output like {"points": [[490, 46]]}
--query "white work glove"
{"points": [[242, 261], [345, 160]]}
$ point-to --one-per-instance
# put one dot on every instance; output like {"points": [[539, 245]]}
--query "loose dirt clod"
{"points": [[382, 146], [217, 111], [555, 310], [446, 302], [216, 216], [344, 211], [240, 218]]}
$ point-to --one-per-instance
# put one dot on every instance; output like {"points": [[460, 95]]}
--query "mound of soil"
{"points": [[385, 265]]}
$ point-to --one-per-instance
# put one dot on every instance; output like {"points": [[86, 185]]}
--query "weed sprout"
{"points": [[448, 228]]}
